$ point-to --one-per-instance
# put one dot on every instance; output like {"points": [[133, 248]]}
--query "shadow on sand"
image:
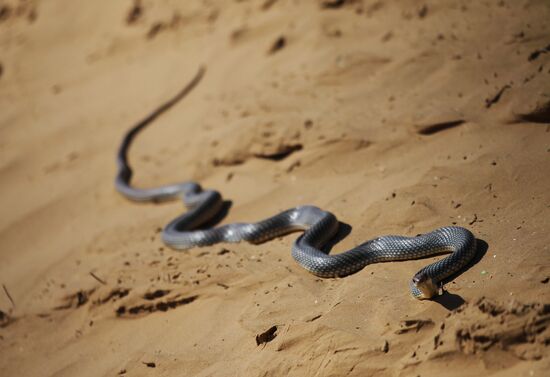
{"points": [[451, 301]]}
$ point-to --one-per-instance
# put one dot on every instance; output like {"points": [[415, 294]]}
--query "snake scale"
{"points": [[318, 227]]}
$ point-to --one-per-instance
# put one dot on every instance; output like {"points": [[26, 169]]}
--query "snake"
{"points": [[319, 227]]}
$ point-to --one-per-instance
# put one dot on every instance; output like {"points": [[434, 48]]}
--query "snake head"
{"points": [[423, 286]]}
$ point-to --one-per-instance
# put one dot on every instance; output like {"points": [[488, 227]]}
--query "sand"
{"points": [[397, 116]]}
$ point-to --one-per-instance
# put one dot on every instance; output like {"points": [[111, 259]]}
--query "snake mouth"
{"points": [[426, 286]]}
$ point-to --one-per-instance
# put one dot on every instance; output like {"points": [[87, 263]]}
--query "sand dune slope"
{"points": [[397, 116]]}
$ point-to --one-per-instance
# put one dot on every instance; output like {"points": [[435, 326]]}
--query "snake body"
{"points": [[318, 227]]}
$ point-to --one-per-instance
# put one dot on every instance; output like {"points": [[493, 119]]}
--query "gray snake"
{"points": [[319, 227]]}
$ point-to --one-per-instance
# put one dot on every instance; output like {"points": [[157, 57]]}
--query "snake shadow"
{"points": [[452, 301]]}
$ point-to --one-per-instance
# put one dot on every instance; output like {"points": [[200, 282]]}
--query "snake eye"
{"points": [[419, 278]]}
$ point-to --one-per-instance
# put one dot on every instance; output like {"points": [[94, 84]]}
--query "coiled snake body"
{"points": [[319, 227]]}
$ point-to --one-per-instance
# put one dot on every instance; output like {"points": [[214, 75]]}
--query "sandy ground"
{"points": [[397, 116]]}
